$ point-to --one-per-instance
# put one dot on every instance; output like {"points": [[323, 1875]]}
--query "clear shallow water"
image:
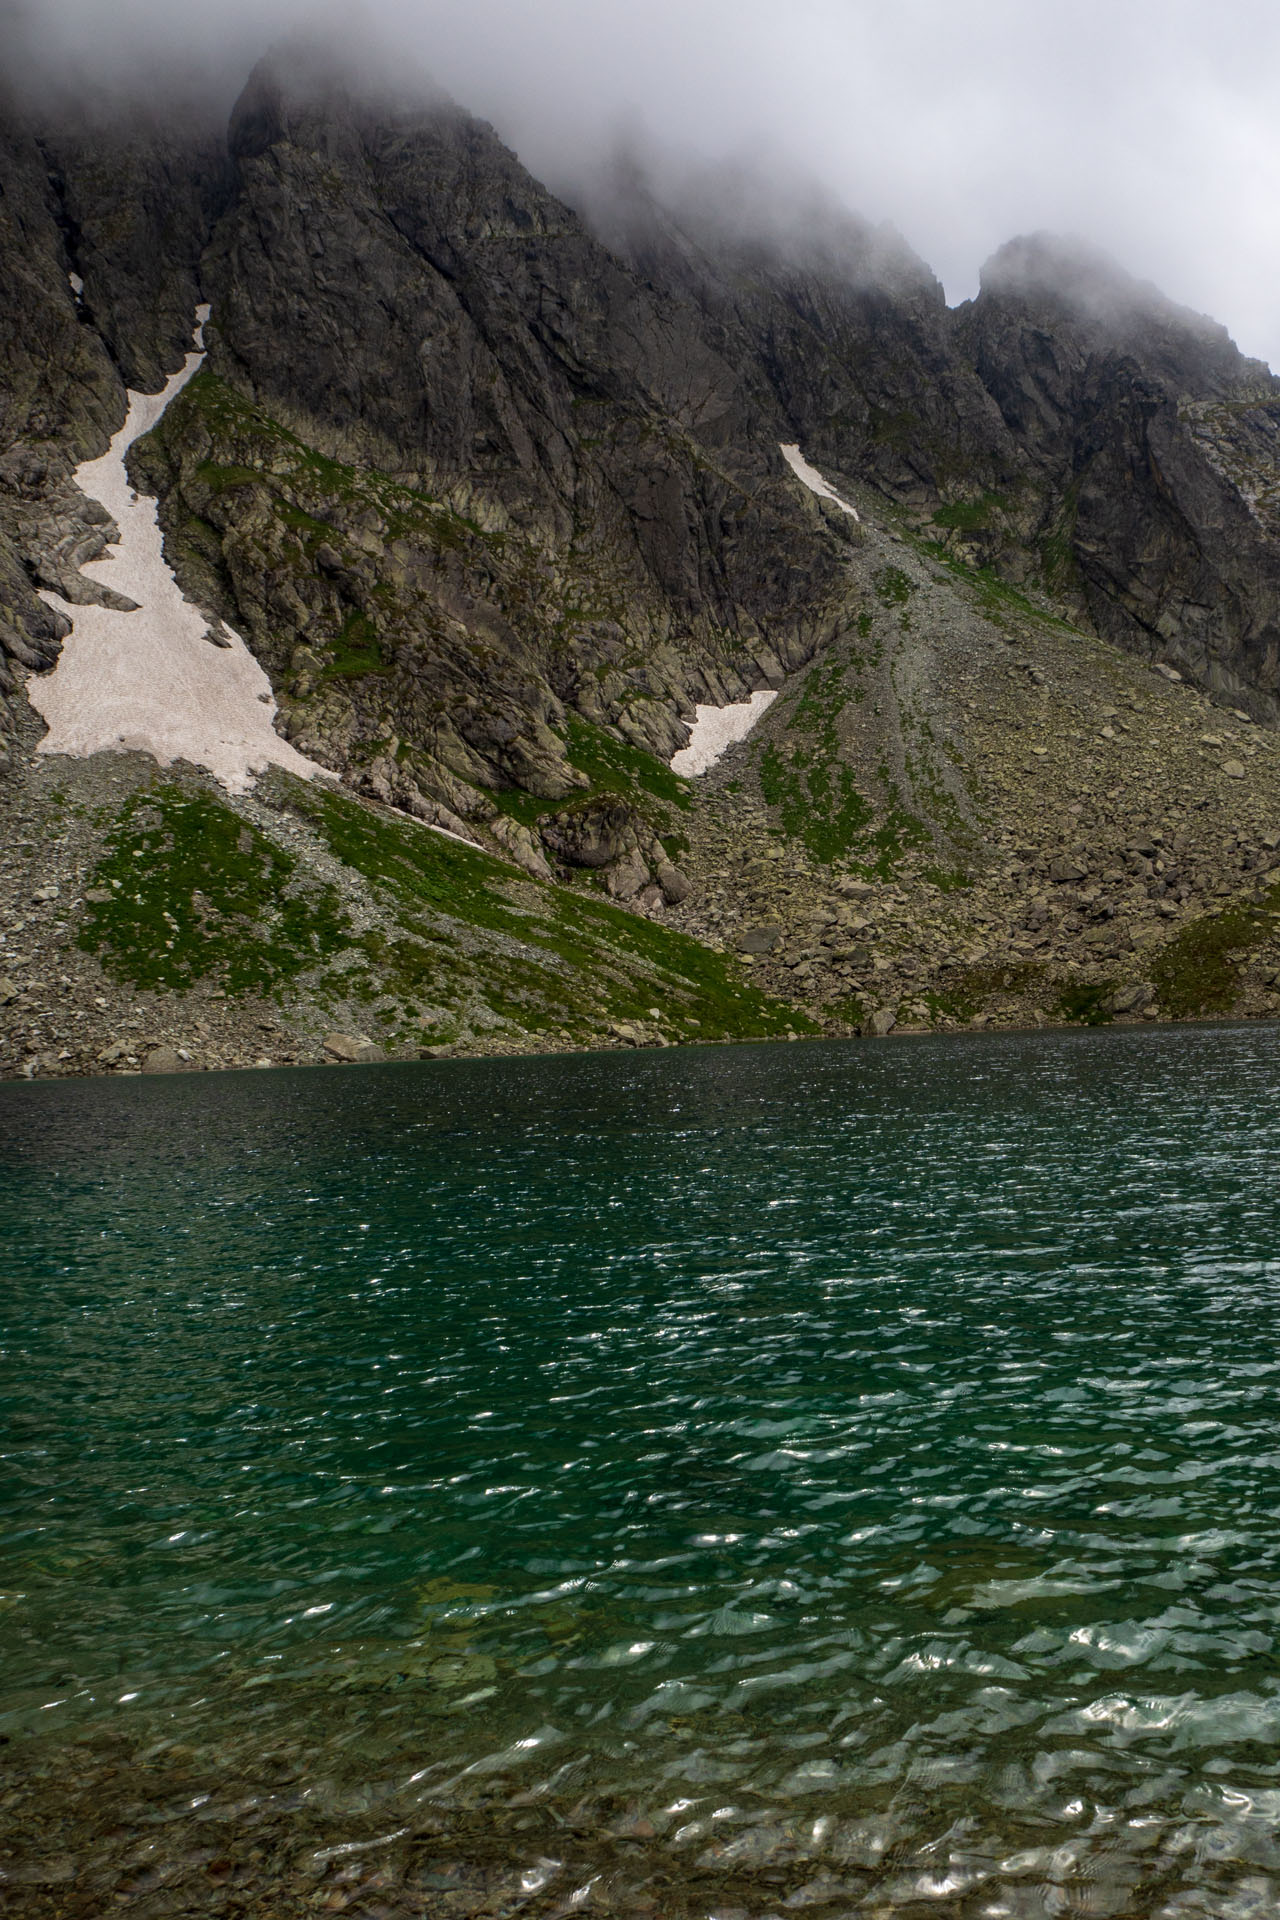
{"points": [[839, 1477]]}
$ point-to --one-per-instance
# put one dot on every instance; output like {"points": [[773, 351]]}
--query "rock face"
{"points": [[459, 472], [102, 224], [1148, 446], [609, 837], [58, 391], [136, 198], [1071, 427], [464, 465], [841, 326], [57, 384]]}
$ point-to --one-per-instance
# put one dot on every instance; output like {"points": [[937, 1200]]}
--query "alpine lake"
{"points": [[831, 1479]]}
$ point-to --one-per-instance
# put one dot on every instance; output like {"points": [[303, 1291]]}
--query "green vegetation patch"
{"points": [[896, 429], [971, 516], [967, 991], [1058, 547], [814, 789], [541, 956], [527, 808], [819, 803], [1199, 971], [614, 766], [1083, 1003], [996, 596], [356, 652], [877, 852], [815, 792], [195, 893], [893, 587]]}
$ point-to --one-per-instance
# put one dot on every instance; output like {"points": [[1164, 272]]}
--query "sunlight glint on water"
{"points": [[861, 1463]]}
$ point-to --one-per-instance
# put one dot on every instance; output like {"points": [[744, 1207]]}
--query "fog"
{"points": [[1151, 127]]}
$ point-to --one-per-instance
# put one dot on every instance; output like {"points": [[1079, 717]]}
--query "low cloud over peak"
{"points": [[1150, 129]]}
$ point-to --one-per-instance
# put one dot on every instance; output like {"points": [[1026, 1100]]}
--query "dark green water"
{"points": [[852, 1466]]}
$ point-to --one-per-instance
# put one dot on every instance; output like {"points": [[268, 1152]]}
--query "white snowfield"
{"points": [[812, 479], [151, 681], [715, 728]]}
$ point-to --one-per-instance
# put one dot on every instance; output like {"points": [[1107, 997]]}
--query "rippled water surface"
{"points": [[833, 1477]]}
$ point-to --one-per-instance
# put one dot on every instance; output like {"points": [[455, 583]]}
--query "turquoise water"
{"points": [[845, 1475]]}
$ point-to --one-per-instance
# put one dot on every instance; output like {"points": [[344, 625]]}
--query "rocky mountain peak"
{"points": [[737, 214], [1077, 293], [306, 82]]}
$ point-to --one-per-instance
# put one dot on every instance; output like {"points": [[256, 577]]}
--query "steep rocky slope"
{"points": [[969, 814], [497, 497], [464, 478], [1071, 427], [1150, 448], [839, 323]]}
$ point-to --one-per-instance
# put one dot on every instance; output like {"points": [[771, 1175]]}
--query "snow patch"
{"points": [[811, 478], [77, 285], [150, 681], [715, 728]]}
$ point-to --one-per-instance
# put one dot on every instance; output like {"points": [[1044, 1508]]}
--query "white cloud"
{"points": [[1149, 126]]}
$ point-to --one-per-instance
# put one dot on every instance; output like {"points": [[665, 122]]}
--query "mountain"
{"points": [[1149, 446], [1070, 427], [499, 494]]}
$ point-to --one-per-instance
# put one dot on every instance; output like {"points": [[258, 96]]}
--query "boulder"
{"points": [[759, 939], [522, 844], [352, 1048], [626, 875], [595, 835], [883, 1021], [1129, 999], [609, 837], [163, 1060], [675, 886]]}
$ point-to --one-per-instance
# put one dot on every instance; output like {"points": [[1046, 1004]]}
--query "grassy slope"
{"points": [[431, 937]]}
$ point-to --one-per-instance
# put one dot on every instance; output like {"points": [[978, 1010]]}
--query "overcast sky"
{"points": [[1149, 126]]}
